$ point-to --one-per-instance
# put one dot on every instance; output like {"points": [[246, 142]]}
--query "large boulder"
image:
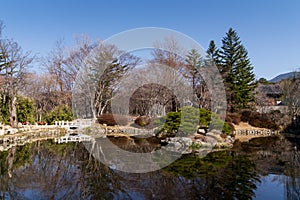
{"points": [[216, 135], [179, 144], [199, 137]]}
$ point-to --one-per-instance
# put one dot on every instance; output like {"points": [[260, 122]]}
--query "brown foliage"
{"points": [[259, 120], [233, 118], [112, 120], [142, 121]]}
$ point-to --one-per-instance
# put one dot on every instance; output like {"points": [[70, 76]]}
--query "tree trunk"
{"points": [[13, 113], [10, 160]]}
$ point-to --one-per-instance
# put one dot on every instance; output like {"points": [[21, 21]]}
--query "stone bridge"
{"points": [[256, 132]]}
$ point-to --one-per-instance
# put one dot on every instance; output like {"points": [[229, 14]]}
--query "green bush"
{"points": [[227, 129], [188, 118], [59, 113], [4, 113], [25, 110], [172, 122]]}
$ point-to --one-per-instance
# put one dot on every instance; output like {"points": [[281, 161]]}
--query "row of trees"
{"points": [[232, 61], [52, 88], [103, 67], [46, 91]]}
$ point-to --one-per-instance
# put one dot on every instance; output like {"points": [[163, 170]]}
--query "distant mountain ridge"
{"points": [[288, 75]]}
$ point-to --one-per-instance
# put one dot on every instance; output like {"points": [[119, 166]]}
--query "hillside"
{"points": [[285, 76]]}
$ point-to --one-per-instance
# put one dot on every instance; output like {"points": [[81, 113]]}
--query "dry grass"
{"points": [[246, 126]]}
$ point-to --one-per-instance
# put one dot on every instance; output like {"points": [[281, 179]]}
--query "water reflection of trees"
{"points": [[278, 156], [67, 171], [45, 170], [292, 178], [220, 175], [55, 172]]}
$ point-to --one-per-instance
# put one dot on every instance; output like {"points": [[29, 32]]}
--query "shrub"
{"points": [[112, 120], [279, 118], [188, 118], [25, 110], [171, 122], [142, 121], [227, 128], [245, 115], [233, 118], [263, 123], [259, 120], [255, 122], [59, 113]]}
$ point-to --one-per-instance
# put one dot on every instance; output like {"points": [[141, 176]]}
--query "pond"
{"points": [[264, 168]]}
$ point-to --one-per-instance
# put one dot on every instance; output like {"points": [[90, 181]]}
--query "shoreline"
{"points": [[247, 138], [116, 133]]}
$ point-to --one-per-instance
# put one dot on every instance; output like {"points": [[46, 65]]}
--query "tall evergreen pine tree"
{"points": [[237, 71], [213, 53], [194, 62]]}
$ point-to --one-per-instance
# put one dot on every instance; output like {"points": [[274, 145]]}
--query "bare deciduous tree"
{"points": [[291, 96], [55, 64], [98, 79], [153, 90], [169, 53], [13, 67], [54, 87], [76, 57], [42, 88]]}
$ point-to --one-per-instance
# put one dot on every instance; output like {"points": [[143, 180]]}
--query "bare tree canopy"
{"points": [[169, 53], [98, 79], [291, 96], [13, 65]]}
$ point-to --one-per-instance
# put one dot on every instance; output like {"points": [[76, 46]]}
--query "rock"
{"points": [[208, 145], [198, 141], [187, 141], [229, 139], [223, 145], [212, 141], [216, 135], [199, 137], [179, 144], [203, 152]]}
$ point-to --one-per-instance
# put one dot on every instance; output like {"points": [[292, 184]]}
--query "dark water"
{"points": [[265, 168]]}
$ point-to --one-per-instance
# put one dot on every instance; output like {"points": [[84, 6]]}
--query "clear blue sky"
{"points": [[269, 29]]}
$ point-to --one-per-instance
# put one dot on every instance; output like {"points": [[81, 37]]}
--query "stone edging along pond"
{"points": [[212, 139], [21, 138]]}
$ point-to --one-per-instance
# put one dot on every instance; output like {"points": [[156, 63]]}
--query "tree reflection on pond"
{"points": [[45, 170]]}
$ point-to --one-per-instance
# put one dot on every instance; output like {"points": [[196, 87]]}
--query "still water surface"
{"points": [[265, 168]]}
